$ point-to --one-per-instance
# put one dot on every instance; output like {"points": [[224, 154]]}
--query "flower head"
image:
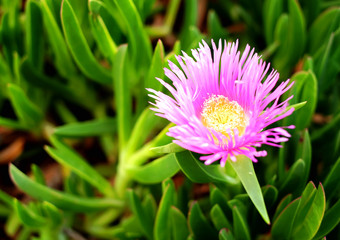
{"points": [[222, 103]]}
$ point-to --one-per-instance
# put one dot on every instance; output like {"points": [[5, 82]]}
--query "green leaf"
{"points": [[38, 174], [218, 197], [225, 234], [245, 171], [141, 130], [218, 218], [49, 84], [215, 28], [272, 10], [169, 148], [304, 149], [59, 199], [162, 227], [294, 177], [199, 225], [270, 194], [27, 112], [79, 48], [157, 170], [27, 216], [6, 199], [34, 34], [241, 229], [69, 158], [291, 49], [102, 36], [6, 122], [282, 205], [63, 60], [332, 181], [197, 172], [283, 224], [190, 17], [111, 17], [150, 207], [332, 125], [330, 221], [144, 220], [180, 230], [304, 89], [122, 97], [138, 39], [322, 27], [156, 68], [309, 215], [53, 213], [326, 61], [90, 128]]}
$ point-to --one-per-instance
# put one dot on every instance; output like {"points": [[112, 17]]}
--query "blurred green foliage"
{"points": [[73, 75]]}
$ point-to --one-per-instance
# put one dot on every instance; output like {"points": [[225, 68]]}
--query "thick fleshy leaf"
{"points": [[218, 218], [270, 194], [330, 221], [293, 44], [310, 214], [283, 224], [144, 221], [169, 148], [190, 17], [304, 151], [102, 36], [27, 216], [322, 27], [304, 89], [162, 227], [40, 80], [27, 112], [199, 225], [197, 172], [90, 128], [138, 39], [332, 181], [157, 170], [79, 48], [156, 68], [144, 125], [225, 234], [218, 197], [69, 158], [326, 59], [122, 97], [217, 31], [244, 168], [293, 178], [60, 199], [179, 225], [52, 213], [272, 10], [38, 174], [282, 205], [34, 31], [63, 60], [241, 229]]}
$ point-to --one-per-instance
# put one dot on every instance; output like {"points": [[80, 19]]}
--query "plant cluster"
{"points": [[88, 157]]}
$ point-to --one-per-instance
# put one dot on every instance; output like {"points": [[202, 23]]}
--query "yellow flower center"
{"points": [[219, 113]]}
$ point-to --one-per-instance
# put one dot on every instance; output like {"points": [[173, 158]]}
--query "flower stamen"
{"points": [[220, 114]]}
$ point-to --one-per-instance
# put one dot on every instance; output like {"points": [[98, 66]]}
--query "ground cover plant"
{"points": [[169, 119]]}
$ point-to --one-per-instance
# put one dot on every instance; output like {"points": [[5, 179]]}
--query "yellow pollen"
{"points": [[220, 114]]}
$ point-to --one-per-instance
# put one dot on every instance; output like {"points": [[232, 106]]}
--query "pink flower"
{"points": [[223, 102]]}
